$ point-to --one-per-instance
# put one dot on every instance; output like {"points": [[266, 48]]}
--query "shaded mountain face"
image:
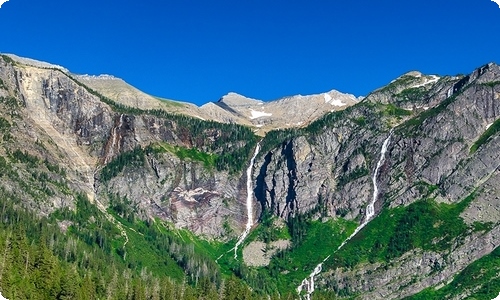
{"points": [[437, 210]]}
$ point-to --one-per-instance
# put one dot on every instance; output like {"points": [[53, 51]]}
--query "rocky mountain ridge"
{"points": [[63, 134], [287, 112]]}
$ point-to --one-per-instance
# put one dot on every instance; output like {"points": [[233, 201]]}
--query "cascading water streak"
{"points": [[308, 283], [249, 203], [370, 210]]}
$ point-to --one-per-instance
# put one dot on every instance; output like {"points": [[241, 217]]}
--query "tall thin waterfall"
{"points": [[250, 221], [308, 283]]}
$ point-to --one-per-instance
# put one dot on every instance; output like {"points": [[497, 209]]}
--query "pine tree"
{"points": [[235, 290], [69, 285]]}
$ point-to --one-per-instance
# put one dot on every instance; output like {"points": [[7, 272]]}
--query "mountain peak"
{"points": [[34, 62], [413, 74], [235, 99]]}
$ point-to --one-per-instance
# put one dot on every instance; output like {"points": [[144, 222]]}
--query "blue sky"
{"points": [[198, 50]]}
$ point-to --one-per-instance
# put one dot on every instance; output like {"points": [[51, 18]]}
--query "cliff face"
{"points": [[442, 147], [59, 136], [56, 118]]}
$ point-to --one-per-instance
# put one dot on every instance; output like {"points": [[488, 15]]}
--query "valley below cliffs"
{"points": [[166, 189]]}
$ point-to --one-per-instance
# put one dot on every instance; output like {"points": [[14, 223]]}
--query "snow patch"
{"points": [[259, 114], [259, 126], [488, 126], [334, 102], [2, 2], [337, 103], [427, 81]]}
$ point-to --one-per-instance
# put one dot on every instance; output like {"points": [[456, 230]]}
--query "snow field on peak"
{"points": [[259, 114], [334, 102], [427, 81]]}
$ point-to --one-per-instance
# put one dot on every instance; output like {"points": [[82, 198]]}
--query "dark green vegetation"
{"points": [[232, 143], [402, 81], [77, 252], [479, 280], [357, 173], [491, 131], [193, 154], [312, 242], [424, 225], [4, 125], [10, 103], [491, 84], [7, 59], [134, 158], [169, 102], [393, 110], [41, 180], [80, 254], [411, 95], [275, 137], [362, 115], [411, 125]]}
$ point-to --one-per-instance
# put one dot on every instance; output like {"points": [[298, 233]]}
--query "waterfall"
{"points": [[370, 209], [249, 203], [308, 283]]}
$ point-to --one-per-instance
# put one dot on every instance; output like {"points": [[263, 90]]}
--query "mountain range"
{"points": [[330, 196]]}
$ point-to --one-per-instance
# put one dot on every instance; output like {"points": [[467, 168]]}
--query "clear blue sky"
{"points": [[198, 50]]}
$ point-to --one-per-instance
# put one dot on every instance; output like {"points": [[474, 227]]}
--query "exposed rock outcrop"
{"points": [[103, 138]]}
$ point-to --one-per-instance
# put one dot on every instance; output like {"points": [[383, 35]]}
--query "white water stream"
{"points": [[249, 204], [308, 283]]}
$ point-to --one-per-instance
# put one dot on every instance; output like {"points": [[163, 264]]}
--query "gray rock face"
{"points": [[433, 149], [288, 112], [443, 146], [414, 271], [74, 128], [289, 180], [183, 193]]}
